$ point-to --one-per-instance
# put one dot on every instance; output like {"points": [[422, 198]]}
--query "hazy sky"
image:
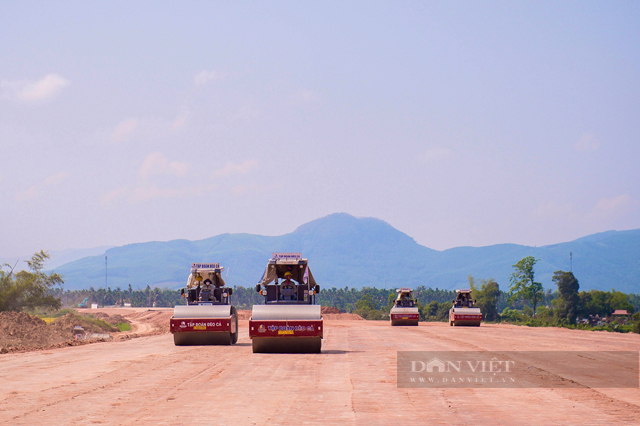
{"points": [[459, 123]]}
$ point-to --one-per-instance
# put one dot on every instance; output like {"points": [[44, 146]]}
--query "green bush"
{"points": [[124, 326], [370, 314], [513, 315], [96, 321], [435, 311]]}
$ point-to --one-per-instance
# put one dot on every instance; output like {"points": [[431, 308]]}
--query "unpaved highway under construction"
{"points": [[149, 381]]}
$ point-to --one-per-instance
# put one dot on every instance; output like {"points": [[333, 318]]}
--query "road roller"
{"points": [[289, 321], [207, 318], [464, 310], [405, 309]]}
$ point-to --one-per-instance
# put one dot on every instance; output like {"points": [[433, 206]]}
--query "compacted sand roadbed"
{"points": [[149, 381]]}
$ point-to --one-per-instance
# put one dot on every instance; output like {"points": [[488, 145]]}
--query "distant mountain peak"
{"points": [[332, 219], [346, 224]]}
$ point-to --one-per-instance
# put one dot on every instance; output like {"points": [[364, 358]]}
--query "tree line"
{"points": [[525, 300]]}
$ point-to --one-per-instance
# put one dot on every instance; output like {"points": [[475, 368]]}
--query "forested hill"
{"points": [[356, 252]]}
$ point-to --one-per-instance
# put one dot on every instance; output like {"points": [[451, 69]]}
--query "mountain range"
{"points": [[347, 251]]}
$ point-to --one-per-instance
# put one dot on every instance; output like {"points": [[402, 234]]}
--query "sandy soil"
{"points": [[149, 381]]}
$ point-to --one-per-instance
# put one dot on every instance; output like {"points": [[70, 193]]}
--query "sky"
{"points": [[459, 123]]}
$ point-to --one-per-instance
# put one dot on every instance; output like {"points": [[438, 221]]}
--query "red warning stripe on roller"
{"points": [[296, 328], [467, 317], [183, 325], [395, 317]]}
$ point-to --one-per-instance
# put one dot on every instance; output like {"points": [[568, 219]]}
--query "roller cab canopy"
{"points": [[205, 271], [463, 299], [206, 286], [280, 263], [404, 293], [405, 298], [463, 295]]}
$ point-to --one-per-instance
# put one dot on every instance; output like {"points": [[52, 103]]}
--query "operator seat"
{"points": [[205, 295], [288, 292]]}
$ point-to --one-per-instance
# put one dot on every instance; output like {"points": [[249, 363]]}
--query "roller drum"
{"points": [[397, 313], [202, 311], [206, 312], [276, 312], [458, 321]]}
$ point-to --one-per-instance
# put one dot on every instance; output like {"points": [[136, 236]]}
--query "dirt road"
{"points": [[149, 381]]}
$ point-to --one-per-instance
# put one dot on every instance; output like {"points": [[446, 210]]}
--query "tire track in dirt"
{"points": [[150, 381], [100, 383]]}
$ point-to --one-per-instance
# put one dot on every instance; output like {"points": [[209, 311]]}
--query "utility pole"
{"points": [[106, 273], [570, 261]]}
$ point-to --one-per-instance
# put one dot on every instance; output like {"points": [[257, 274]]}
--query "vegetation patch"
{"points": [[25, 290], [88, 323], [124, 326]]}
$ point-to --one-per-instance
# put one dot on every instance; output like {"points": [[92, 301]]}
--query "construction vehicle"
{"points": [[208, 317], [464, 311], [405, 309], [289, 321], [83, 304]]}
